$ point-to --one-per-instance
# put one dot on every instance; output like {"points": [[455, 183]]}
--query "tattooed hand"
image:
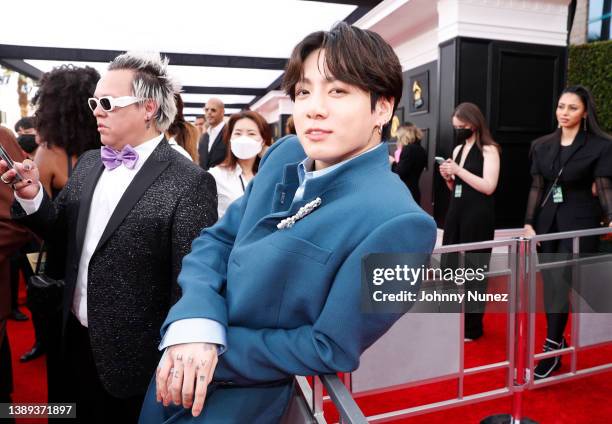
{"points": [[184, 370]]}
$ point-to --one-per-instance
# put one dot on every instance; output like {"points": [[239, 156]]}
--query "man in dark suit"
{"points": [[211, 147], [127, 215]]}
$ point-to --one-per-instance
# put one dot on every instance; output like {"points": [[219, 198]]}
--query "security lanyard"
{"points": [[554, 184]]}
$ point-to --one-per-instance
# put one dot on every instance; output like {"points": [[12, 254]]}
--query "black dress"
{"points": [[471, 218], [588, 159], [412, 161]]}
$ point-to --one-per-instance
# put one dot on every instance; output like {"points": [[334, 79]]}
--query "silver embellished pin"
{"points": [[301, 213]]}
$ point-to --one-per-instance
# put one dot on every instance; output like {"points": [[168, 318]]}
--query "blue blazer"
{"points": [[290, 299]]}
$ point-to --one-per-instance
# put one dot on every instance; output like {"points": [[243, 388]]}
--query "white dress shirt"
{"points": [[231, 184], [213, 132], [172, 142], [110, 188]]}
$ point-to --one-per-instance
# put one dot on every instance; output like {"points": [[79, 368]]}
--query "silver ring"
{"points": [[3, 180]]}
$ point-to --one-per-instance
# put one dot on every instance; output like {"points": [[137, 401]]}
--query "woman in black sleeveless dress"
{"points": [[471, 176], [564, 166]]}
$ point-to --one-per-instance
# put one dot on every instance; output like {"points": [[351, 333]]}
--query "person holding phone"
{"points": [[564, 167], [471, 176], [12, 237]]}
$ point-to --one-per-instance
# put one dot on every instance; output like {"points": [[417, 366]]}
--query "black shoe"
{"points": [[37, 350], [546, 366], [17, 315]]}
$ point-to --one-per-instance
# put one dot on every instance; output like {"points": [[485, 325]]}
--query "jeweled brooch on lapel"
{"points": [[301, 213]]}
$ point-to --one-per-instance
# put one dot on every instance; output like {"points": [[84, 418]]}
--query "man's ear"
{"points": [[150, 108], [384, 109]]}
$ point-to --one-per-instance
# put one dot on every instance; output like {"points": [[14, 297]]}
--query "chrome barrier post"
{"points": [[521, 311], [573, 349], [575, 316], [317, 397], [522, 376]]}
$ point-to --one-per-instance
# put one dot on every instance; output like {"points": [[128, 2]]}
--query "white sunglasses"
{"points": [[109, 103]]}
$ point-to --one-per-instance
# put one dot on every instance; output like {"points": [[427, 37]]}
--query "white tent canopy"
{"points": [[235, 50]]}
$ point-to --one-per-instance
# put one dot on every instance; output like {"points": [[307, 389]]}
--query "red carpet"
{"points": [[577, 402], [29, 379], [586, 400]]}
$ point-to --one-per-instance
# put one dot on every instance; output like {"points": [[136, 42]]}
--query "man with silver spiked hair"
{"points": [[151, 81], [127, 216]]}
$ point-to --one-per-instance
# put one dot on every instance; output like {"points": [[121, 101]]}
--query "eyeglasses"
{"points": [[109, 103]]}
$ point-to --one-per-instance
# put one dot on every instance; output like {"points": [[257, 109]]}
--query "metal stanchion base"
{"points": [[506, 419]]}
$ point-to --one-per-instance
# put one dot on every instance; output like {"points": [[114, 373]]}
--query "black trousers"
{"points": [[474, 309], [558, 281], [94, 403], [6, 368]]}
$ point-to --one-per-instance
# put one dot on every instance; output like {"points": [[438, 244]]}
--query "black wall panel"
{"points": [[447, 83], [427, 121]]}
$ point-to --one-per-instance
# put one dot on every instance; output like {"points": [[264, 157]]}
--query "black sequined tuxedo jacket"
{"points": [[132, 273]]}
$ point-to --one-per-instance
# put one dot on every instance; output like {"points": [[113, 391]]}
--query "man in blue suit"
{"points": [[273, 289]]}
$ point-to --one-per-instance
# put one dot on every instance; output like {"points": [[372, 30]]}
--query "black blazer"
{"points": [[412, 161], [133, 271], [217, 151], [591, 157]]}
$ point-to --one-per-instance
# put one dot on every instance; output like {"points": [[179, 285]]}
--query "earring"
{"points": [[148, 122], [584, 123], [559, 126], [378, 129]]}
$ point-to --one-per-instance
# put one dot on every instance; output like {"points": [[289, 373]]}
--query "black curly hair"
{"points": [[63, 118]]}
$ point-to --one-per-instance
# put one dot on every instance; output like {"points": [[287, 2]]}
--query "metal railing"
{"points": [[520, 352], [461, 399], [571, 350]]}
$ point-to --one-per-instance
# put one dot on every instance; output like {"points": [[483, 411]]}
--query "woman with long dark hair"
{"points": [[471, 176], [564, 167]]}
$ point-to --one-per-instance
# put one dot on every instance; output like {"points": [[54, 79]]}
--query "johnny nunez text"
{"points": [[434, 296]]}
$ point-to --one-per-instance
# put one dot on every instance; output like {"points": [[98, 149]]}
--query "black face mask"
{"points": [[27, 142], [462, 134]]}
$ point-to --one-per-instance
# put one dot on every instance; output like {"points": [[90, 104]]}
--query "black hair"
{"points": [[354, 56], [26, 123], [63, 118], [592, 124]]}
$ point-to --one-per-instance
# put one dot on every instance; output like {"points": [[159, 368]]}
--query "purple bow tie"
{"points": [[112, 158]]}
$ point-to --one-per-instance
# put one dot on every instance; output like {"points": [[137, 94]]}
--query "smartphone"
{"points": [[439, 160], [11, 164]]}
